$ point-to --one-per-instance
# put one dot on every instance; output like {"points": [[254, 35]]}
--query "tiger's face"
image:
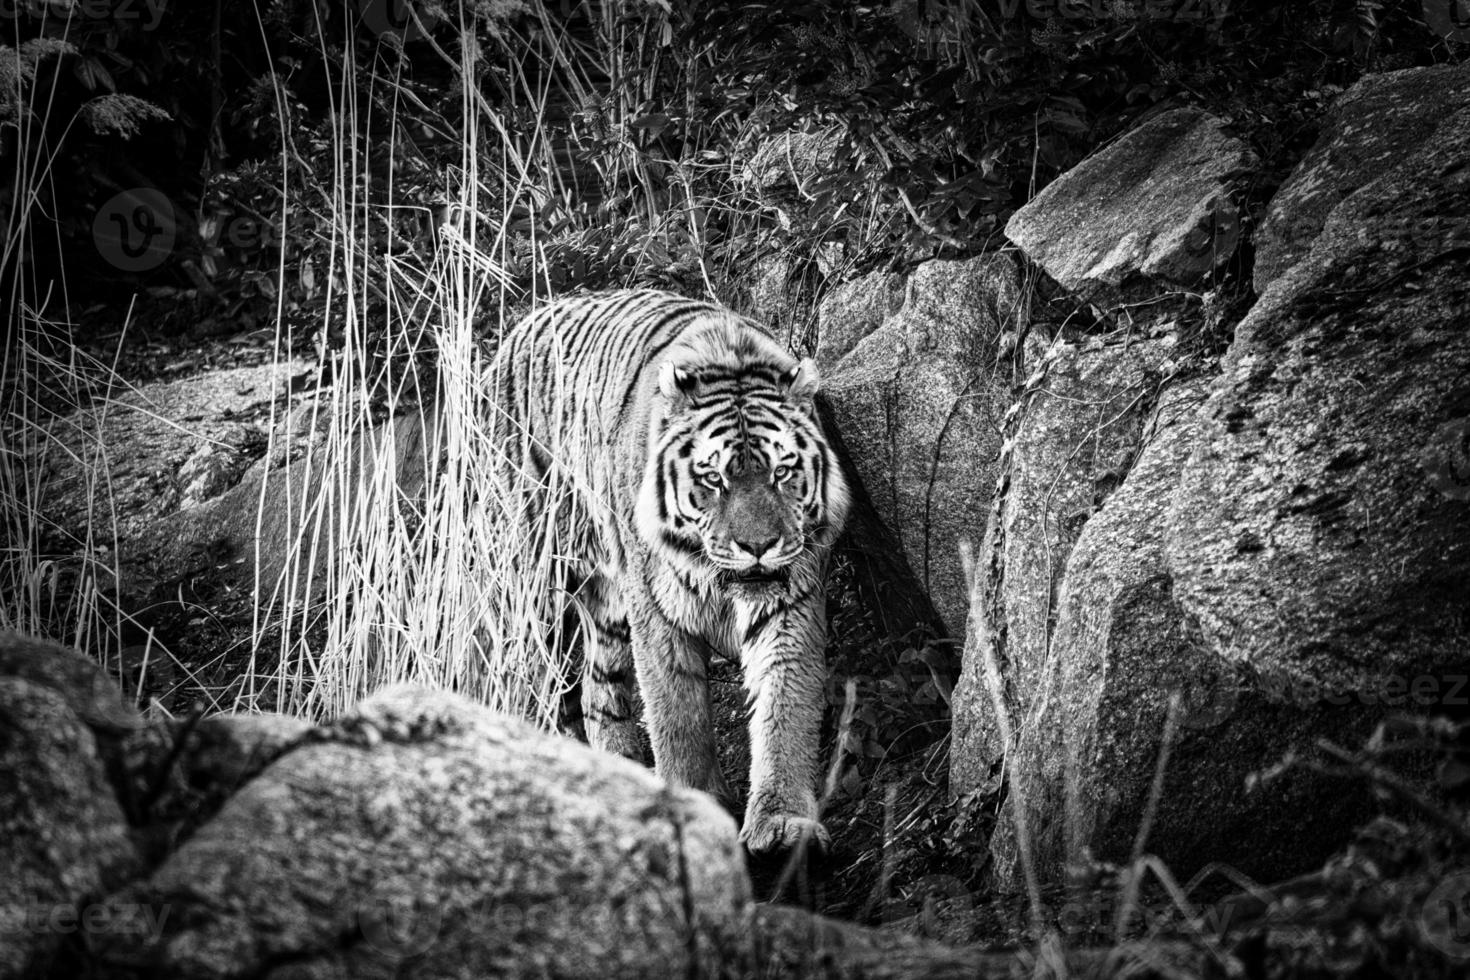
{"points": [[740, 479]]}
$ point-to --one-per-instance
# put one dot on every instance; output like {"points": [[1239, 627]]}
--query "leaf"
{"points": [[654, 123], [1066, 122]]}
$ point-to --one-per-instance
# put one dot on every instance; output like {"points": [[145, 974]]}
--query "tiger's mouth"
{"points": [[757, 578]]}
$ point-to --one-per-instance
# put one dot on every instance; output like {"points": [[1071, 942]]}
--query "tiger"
{"points": [[712, 498]]}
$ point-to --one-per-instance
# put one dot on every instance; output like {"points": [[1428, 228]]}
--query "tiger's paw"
{"points": [[775, 833]]}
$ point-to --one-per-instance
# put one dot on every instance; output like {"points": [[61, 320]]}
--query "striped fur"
{"points": [[710, 499]]}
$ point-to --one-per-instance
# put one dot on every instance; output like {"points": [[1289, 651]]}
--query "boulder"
{"points": [[422, 829], [788, 161], [64, 839], [1079, 427], [183, 490], [172, 472], [851, 311], [918, 403], [1097, 725], [269, 517], [143, 454], [1285, 562], [1153, 210], [1366, 132], [1306, 534], [766, 294], [418, 835]]}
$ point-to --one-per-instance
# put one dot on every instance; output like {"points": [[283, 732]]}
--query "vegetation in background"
{"points": [[386, 200]]}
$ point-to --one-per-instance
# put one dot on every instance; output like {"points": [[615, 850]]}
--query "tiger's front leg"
{"points": [[673, 677], [609, 696], [782, 653]]}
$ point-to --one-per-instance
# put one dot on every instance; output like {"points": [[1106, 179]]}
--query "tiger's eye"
{"points": [[712, 479], [781, 474]]}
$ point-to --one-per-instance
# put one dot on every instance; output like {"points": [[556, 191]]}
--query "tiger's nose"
{"points": [[758, 548]]}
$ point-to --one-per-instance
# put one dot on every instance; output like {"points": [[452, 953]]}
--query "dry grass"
{"points": [[405, 558]]}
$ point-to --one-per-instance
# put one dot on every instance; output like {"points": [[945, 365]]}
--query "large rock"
{"points": [[1153, 209], [269, 519], [195, 489], [1079, 427], [64, 839], [1367, 132], [145, 453], [1289, 558], [422, 828], [419, 835], [177, 475], [1094, 730], [1306, 535], [791, 160], [918, 404], [851, 311]]}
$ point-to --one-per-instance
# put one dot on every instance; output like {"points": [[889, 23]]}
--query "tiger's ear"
{"points": [[675, 383], [802, 380]]}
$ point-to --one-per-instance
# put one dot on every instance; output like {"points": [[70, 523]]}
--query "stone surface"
{"points": [[790, 160], [766, 281], [1154, 208], [171, 473], [1367, 131], [419, 835], [424, 830], [1092, 733], [1079, 428], [851, 311], [1288, 556], [89, 693], [918, 404], [64, 840], [262, 528], [1306, 535], [147, 452]]}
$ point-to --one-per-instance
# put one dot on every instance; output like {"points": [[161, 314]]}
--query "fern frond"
{"points": [[120, 114]]}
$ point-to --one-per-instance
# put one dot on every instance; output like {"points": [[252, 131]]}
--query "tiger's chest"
{"points": [[693, 603]]}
